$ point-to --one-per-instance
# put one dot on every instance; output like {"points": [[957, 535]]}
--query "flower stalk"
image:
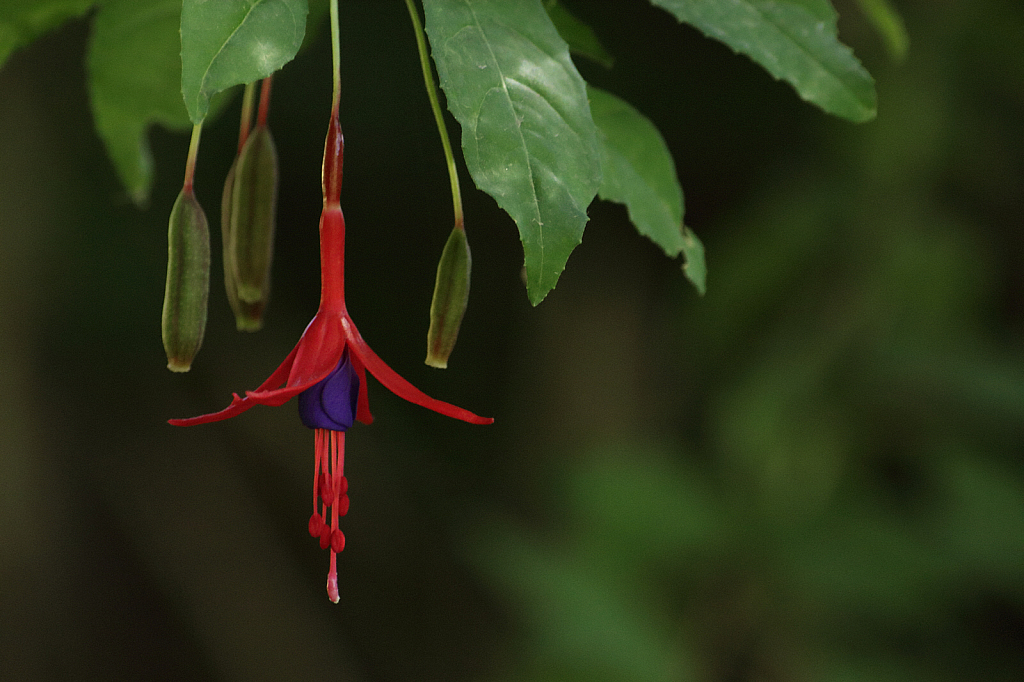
{"points": [[451, 284], [435, 106]]}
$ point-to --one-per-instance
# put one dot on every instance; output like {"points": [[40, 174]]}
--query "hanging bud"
{"points": [[252, 218], [248, 316], [451, 294], [188, 282]]}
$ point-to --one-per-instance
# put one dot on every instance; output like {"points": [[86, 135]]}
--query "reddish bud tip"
{"points": [[334, 153]]}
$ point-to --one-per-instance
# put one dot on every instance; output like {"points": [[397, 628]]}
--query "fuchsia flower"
{"points": [[327, 370]]}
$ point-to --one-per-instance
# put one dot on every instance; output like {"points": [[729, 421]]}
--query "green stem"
{"points": [[336, 55], [435, 105], [190, 162], [246, 119]]}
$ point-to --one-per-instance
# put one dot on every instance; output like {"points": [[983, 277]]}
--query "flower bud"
{"points": [[451, 294], [252, 217], [248, 316], [188, 282]]}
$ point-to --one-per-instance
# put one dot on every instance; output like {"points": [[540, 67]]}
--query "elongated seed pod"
{"points": [[253, 216], [451, 295], [188, 282], [248, 316]]}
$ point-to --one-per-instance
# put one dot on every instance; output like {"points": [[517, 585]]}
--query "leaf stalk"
{"points": [[428, 79], [264, 110], [245, 121], [193, 153]]}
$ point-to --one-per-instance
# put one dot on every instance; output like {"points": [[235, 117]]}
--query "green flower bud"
{"points": [[248, 316], [451, 294], [252, 217], [188, 282]]}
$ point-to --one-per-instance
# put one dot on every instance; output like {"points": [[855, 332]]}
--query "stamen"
{"points": [[327, 493], [325, 537], [316, 525], [317, 450], [337, 541], [330, 489]]}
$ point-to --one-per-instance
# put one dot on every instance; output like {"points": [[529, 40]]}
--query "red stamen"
{"points": [[327, 493], [316, 525], [325, 537], [317, 449], [337, 541], [329, 490]]}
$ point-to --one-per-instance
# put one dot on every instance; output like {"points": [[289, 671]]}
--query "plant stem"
{"points": [[246, 118], [261, 117], [428, 79], [336, 55], [190, 162], [334, 145]]}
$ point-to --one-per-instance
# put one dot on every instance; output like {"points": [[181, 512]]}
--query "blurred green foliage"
{"points": [[812, 473]]}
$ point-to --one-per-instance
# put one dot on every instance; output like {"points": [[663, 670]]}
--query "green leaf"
{"points": [[638, 171], [232, 42], [581, 38], [22, 21], [889, 24], [527, 133], [134, 68], [795, 40], [693, 266]]}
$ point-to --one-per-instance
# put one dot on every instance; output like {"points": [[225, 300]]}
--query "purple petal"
{"points": [[331, 402]]}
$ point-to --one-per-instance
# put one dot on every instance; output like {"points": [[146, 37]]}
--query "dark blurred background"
{"points": [[812, 473]]}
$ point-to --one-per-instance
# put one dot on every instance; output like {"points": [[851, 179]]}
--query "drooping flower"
{"points": [[327, 370], [319, 350]]}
